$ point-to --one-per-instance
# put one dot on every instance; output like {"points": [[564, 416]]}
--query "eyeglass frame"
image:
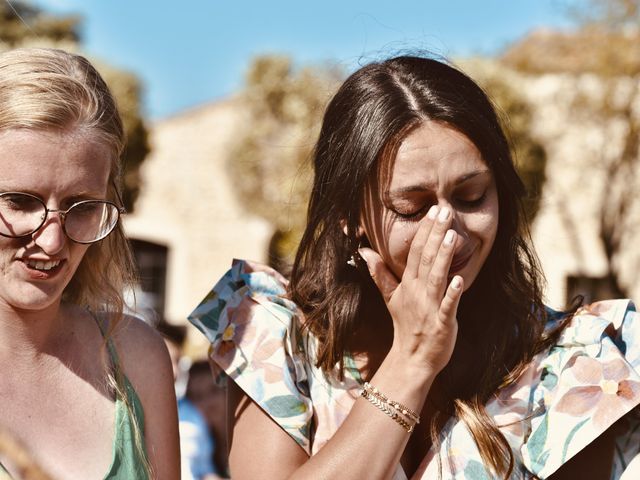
{"points": [[62, 214]]}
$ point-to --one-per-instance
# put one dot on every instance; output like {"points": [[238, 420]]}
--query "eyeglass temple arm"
{"points": [[121, 208]]}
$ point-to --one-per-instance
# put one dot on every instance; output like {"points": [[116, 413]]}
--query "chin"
{"points": [[36, 305], [35, 299]]}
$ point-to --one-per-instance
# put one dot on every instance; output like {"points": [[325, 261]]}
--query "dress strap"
{"points": [[113, 354], [128, 459]]}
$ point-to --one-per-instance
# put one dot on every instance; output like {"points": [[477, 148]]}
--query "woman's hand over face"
{"points": [[424, 303]]}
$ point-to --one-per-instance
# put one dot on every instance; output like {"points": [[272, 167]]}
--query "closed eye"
{"points": [[474, 202], [412, 216]]}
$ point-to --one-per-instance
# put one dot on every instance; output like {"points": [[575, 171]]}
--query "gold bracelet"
{"points": [[388, 410], [406, 411]]}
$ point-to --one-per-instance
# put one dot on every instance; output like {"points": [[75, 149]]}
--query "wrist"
{"points": [[410, 374]]}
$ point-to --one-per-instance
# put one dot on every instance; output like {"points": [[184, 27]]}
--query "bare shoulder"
{"points": [[135, 337], [146, 362], [142, 353]]}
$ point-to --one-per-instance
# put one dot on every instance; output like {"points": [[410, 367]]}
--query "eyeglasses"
{"points": [[87, 221]]}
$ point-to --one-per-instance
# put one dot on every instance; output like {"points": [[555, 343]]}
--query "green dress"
{"points": [[126, 463]]}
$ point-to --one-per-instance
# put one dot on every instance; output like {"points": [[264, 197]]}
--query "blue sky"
{"points": [[190, 52]]}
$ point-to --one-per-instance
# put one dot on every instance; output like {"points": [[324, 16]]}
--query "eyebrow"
{"points": [[74, 198], [85, 194], [422, 187]]}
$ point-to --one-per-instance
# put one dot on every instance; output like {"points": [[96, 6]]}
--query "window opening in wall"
{"points": [[591, 288], [151, 260]]}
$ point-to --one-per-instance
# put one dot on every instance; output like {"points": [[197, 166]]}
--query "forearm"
{"points": [[369, 444]]}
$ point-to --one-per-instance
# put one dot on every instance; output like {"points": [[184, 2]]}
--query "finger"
{"points": [[384, 278], [437, 280], [418, 243], [432, 246], [451, 300]]}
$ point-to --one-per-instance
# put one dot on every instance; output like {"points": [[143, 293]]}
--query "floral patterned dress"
{"points": [[566, 397]]}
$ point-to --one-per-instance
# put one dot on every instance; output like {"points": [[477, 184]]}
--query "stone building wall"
{"points": [[187, 204], [580, 144]]}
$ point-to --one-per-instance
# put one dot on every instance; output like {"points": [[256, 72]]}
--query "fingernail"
{"points": [[448, 238], [444, 214], [433, 212], [455, 283]]}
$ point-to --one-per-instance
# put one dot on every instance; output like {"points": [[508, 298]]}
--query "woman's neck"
{"points": [[27, 333]]}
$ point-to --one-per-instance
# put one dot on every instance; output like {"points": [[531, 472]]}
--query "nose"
{"points": [[457, 223], [51, 237]]}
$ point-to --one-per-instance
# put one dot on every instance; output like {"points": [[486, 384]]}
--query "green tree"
{"points": [[20, 22], [610, 15], [23, 25], [270, 162]]}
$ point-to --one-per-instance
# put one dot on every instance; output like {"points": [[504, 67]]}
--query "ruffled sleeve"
{"points": [[256, 339], [589, 381]]}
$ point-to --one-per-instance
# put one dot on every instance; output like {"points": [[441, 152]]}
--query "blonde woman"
{"points": [[412, 341], [84, 388]]}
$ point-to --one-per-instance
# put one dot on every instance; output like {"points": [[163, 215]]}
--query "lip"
{"points": [[459, 262], [36, 274]]}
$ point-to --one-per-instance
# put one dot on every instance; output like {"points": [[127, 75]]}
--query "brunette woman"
{"points": [[412, 340]]}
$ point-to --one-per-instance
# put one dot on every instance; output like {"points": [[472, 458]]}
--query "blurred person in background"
{"points": [[84, 388], [206, 390], [196, 442]]}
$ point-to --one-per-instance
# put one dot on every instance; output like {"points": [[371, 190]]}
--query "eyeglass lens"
{"points": [[87, 221]]}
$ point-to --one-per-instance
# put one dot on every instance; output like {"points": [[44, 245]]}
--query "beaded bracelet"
{"points": [[401, 414]]}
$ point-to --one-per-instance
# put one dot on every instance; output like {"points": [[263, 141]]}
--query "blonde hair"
{"points": [[50, 89]]}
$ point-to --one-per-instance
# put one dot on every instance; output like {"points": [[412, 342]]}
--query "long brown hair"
{"points": [[501, 316]]}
